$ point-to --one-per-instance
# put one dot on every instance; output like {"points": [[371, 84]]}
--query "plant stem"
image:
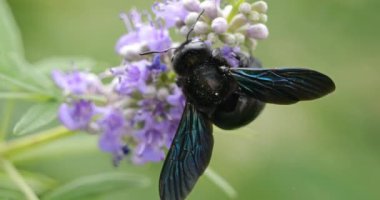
{"points": [[235, 8], [221, 183], [17, 178], [23, 143], [7, 115]]}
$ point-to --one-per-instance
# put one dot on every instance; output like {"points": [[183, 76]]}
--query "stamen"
{"points": [[127, 22]]}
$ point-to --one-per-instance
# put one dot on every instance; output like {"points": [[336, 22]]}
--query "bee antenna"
{"points": [[152, 52], [192, 28]]}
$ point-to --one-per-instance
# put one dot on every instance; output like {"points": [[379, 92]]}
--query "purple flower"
{"points": [[147, 153], [151, 137], [76, 82], [176, 98], [113, 127], [229, 53], [134, 78], [76, 116], [157, 64], [144, 37], [143, 106], [258, 31], [172, 12]]}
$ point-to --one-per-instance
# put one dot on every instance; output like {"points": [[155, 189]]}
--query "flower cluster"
{"points": [[233, 25], [136, 107]]}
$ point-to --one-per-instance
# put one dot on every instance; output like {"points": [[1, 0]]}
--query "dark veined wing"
{"points": [[283, 86], [188, 156]]}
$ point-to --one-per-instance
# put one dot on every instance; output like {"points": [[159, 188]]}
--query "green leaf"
{"points": [[39, 183], [36, 117], [19, 84], [10, 194], [10, 37], [90, 186]]}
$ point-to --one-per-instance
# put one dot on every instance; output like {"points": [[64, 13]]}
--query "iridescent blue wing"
{"points": [[282, 86], [188, 156]]}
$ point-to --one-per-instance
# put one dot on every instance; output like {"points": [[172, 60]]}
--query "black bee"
{"points": [[228, 97]]}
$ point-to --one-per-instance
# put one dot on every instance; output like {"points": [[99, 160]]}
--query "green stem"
{"points": [[17, 178], [23, 143], [221, 183], [7, 115], [235, 8]]}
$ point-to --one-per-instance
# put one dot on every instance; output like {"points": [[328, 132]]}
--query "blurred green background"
{"points": [[325, 149]]}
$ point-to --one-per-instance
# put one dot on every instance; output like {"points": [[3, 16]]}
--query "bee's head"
{"points": [[191, 53]]}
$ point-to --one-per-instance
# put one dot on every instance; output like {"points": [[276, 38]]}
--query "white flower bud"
{"points": [[201, 27], [191, 18], [162, 94], [260, 6], [258, 31], [219, 25], [129, 113], [150, 92], [228, 39], [240, 38], [211, 9], [254, 16], [263, 18], [238, 21], [192, 5], [211, 37], [245, 8], [184, 30]]}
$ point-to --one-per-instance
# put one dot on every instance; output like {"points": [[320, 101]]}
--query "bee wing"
{"points": [[188, 156], [283, 86]]}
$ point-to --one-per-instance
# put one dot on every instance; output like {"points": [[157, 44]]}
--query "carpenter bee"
{"points": [[228, 97]]}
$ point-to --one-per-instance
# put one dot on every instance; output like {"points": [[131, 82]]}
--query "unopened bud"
{"points": [[228, 39], [211, 37], [263, 18], [245, 8], [191, 18], [219, 25], [129, 113], [211, 9], [192, 5], [239, 38], [149, 92], [162, 94], [260, 6], [201, 27], [254, 16], [258, 31]]}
